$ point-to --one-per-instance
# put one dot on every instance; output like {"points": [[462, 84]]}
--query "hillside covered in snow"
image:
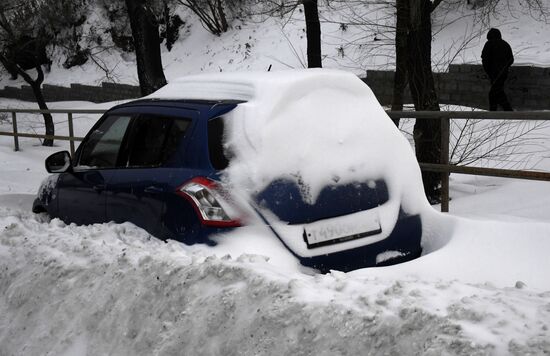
{"points": [[355, 37]]}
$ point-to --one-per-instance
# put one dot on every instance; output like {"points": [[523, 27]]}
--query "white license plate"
{"points": [[322, 233]]}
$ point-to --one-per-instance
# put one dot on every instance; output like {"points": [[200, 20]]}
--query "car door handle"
{"points": [[153, 190], [99, 187]]}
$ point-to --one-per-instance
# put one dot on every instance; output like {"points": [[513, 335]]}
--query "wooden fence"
{"points": [[443, 167], [71, 137]]}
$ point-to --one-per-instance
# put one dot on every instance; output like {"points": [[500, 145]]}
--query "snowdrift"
{"points": [[112, 289]]}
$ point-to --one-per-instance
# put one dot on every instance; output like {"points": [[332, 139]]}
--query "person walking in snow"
{"points": [[497, 57]]}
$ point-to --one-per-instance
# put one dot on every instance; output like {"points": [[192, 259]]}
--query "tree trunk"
{"points": [[221, 14], [48, 120], [145, 32], [401, 53], [427, 132], [313, 34], [37, 91]]}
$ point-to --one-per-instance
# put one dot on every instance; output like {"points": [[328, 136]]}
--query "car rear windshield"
{"points": [[219, 155]]}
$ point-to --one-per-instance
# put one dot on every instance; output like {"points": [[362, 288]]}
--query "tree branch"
{"points": [[435, 4]]}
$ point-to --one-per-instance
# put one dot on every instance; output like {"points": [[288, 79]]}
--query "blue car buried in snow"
{"points": [[310, 154]]}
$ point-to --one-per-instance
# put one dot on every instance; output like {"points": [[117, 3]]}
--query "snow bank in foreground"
{"points": [[111, 289]]}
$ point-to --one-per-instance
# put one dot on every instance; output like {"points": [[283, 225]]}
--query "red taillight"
{"points": [[210, 202]]}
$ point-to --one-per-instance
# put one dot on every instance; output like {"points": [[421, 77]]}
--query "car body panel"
{"points": [[139, 201], [46, 200], [285, 198], [81, 196]]}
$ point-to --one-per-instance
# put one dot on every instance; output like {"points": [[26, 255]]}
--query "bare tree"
{"points": [[492, 143], [427, 132], [506, 144], [22, 47], [486, 9], [410, 22], [284, 8], [210, 12], [402, 18], [313, 34]]}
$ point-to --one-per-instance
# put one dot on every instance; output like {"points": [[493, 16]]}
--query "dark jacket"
{"points": [[497, 55]]}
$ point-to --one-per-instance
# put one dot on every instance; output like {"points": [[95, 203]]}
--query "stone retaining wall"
{"points": [[528, 88], [96, 94]]}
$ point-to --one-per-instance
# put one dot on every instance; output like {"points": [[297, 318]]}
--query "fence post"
{"points": [[15, 137], [445, 133], [71, 132]]}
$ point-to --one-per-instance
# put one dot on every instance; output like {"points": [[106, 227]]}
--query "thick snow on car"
{"points": [[309, 153]]}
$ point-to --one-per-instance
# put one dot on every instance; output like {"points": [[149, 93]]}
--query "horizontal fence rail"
{"points": [[52, 137], [442, 167], [445, 168], [55, 111], [490, 172], [71, 137], [486, 115]]}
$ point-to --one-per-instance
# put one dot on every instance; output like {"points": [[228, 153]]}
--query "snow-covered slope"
{"points": [[258, 42]]}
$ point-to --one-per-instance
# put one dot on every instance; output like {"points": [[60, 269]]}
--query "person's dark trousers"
{"points": [[497, 96]]}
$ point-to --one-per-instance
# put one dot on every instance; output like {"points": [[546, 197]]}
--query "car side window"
{"points": [[102, 148], [154, 139]]}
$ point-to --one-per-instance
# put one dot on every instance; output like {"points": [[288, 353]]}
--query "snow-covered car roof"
{"points": [[250, 85]]}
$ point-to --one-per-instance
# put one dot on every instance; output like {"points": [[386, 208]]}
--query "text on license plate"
{"points": [[324, 233]]}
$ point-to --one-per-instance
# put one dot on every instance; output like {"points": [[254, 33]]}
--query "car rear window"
{"points": [[218, 155], [154, 139]]}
